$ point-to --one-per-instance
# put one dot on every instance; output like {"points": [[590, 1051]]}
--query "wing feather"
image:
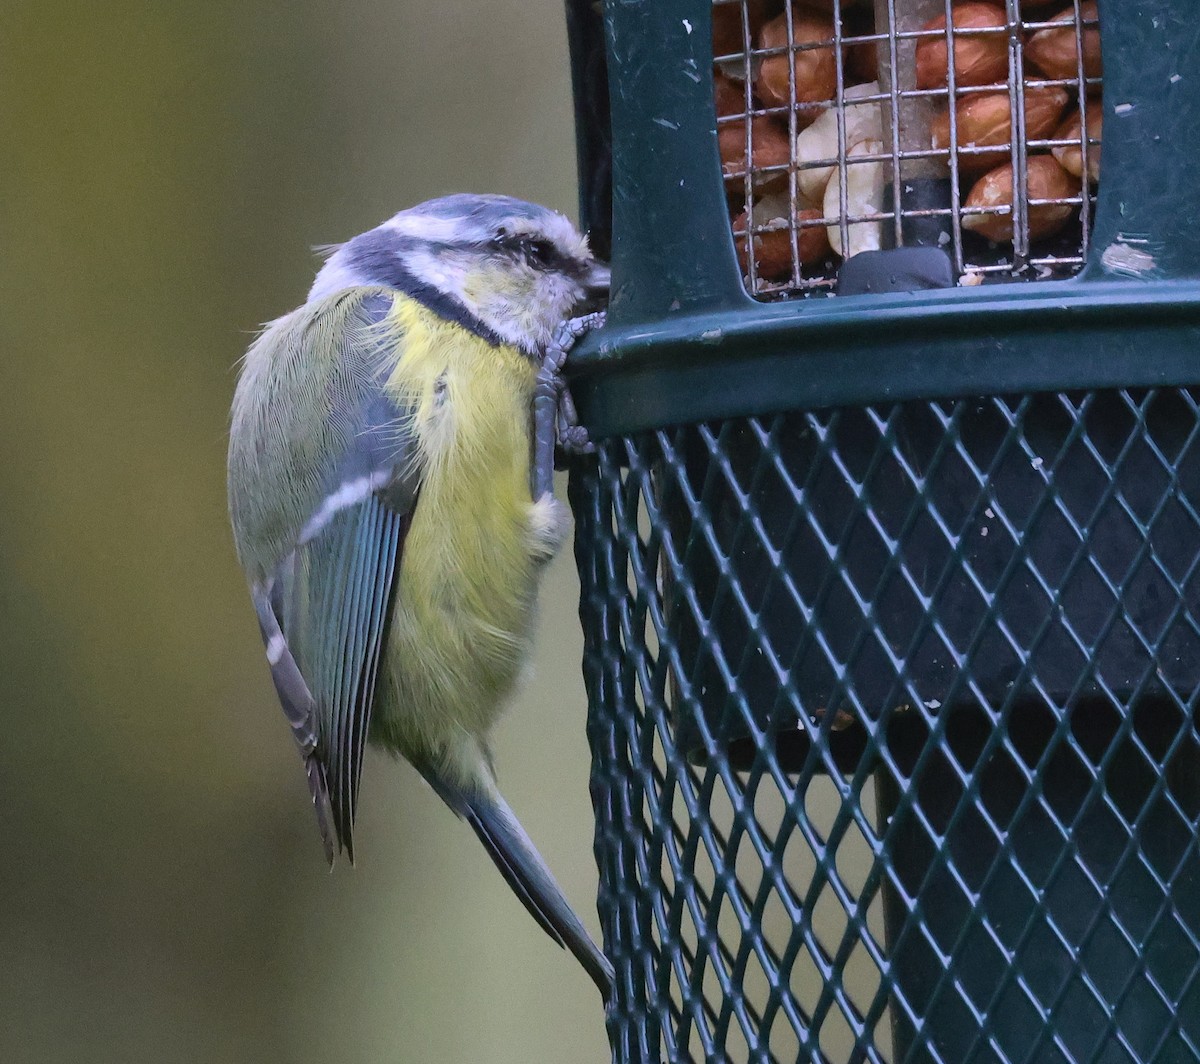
{"points": [[391, 544], [324, 474], [351, 568]]}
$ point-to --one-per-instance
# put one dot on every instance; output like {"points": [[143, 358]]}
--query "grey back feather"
{"points": [[309, 412]]}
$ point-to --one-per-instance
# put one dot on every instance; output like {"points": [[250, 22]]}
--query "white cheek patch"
{"points": [[347, 494], [437, 270]]}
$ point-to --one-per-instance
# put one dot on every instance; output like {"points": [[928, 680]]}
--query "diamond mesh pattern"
{"points": [[893, 721]]}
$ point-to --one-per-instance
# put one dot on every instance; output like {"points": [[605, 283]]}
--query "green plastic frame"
{"points": [[685, 342]]}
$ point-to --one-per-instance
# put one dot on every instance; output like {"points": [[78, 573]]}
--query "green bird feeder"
{"points": [[890, 550]]}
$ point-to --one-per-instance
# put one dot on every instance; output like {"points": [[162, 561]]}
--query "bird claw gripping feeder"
{"points": [[890, 550]]}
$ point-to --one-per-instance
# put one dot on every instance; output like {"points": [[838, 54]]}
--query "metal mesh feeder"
{"points": [[890, 556]]}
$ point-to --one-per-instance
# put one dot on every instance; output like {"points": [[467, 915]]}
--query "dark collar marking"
{"points": [[383, 265]]}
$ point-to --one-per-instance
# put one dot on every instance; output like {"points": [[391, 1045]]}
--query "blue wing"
{"points": [[348, 577], [324, 606]]}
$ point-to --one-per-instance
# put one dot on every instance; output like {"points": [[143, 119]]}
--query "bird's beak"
{"points": [[598, 279], [595, 288]]}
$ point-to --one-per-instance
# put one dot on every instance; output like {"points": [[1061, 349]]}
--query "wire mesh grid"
{"points": [[969, 125], [893, 720]]}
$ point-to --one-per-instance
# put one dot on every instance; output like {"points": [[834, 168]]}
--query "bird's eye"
{"points": [[538, 252]]}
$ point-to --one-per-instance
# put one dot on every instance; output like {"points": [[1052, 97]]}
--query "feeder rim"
{"points": [[761, 358]]}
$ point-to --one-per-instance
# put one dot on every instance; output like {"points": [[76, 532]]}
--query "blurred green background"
{"points": [[166, 168]]}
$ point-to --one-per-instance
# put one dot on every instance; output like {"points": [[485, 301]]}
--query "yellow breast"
{"points": [[463, 607]]}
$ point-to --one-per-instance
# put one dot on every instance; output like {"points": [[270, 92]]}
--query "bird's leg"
{"points": [[555, 420], [545, 405]]}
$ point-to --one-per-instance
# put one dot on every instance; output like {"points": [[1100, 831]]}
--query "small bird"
{"points": [[390, 495]]}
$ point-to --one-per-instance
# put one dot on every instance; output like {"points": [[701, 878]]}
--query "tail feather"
{"points": [[512, 875], [523, 869]]}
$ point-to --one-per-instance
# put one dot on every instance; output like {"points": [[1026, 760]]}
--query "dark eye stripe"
{"points": [[540, 253]]}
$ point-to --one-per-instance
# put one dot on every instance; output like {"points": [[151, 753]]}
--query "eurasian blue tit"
{"points": [[392, 516]]}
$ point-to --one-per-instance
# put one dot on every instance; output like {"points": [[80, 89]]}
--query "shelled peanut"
{"points": [[768, 140], [817, 145], [980, 47], [1070, 156], [1055, 50], [993, 195], [729, 31], [794, 82], [773, 247], [810, 70], [984, 120], [865, 180], [797, 45]]}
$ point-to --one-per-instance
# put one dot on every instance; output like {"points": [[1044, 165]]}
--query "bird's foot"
{"points": [[570, 436]]}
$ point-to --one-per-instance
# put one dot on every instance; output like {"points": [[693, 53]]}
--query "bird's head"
{"points": [[516, 268]]}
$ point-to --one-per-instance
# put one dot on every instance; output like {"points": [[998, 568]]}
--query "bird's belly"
{"points": [[463, 606], [461, 621]]}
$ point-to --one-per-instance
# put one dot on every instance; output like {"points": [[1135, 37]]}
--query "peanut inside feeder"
{"points": [[900, 124]]}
